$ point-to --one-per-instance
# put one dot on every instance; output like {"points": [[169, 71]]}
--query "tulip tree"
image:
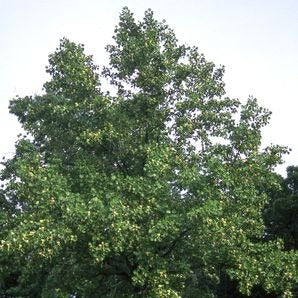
{"points": [[154, 189]]}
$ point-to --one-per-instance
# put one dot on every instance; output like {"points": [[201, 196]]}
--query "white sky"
{"points": [[257, 41]]}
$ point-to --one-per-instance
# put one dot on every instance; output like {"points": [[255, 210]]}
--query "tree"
{"points": [[155, 191], [281, 212]]}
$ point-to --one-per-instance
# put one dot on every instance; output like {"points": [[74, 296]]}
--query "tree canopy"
{"points": [[155, 189], [281, 213]]}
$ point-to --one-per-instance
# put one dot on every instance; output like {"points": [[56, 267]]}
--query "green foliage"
{"points": [[157, 191], [281, 213]]}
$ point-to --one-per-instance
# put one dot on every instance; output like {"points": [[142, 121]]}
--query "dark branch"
{"points": [[168, 250]]}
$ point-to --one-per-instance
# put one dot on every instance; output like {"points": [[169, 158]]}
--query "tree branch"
{"points": [[168, 250]]}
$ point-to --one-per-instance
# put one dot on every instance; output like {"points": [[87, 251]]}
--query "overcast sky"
{"points": [[257, 41]]}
